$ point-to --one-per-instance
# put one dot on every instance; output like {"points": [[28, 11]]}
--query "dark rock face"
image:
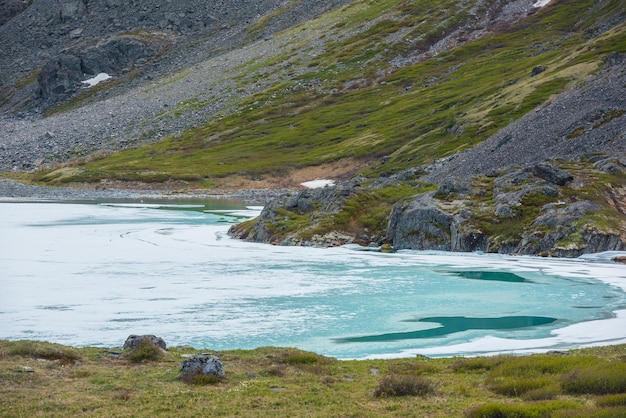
{"points": [[428, 223], [62, 77], [420, 225], [133, 341], [11, 8], [423, 225], [203, 364], [36, 33]]}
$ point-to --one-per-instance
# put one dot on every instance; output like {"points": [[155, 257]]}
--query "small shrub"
{"points": [[411, 366], [145, 351], [478, 364], [601, 379], [403, 385], [540, 365], [277, 370], [544, 393], [122, 395], [592, 413], [533, 410], [517, 386], [304, 358], [612, 400], [79, 374]]}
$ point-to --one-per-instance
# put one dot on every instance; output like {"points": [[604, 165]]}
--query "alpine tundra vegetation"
{"points": [[471, 125], [443, 124]]}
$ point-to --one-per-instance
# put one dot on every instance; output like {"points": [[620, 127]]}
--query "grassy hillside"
{"points": [[41, 379], [370, 80]]}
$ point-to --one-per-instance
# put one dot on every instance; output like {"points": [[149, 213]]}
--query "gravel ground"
{"points": [[584, 121], [13, 191]]}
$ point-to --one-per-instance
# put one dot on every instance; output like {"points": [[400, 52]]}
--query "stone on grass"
{"points": [[133, 341], [203, 364]]}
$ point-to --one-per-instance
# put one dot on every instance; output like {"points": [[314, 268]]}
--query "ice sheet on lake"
{"points": [[93, 274]]}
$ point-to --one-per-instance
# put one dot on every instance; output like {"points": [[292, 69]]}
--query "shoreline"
{"points": [[14, 191]]}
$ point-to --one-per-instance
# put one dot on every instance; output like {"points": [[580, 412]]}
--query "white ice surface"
{"points": [[88, 274]]}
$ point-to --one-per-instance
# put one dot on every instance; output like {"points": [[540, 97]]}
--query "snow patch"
{"points": [[541, 3], [97, 79], [316, 184]]}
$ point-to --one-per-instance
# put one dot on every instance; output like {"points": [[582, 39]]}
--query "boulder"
{"points": [[537, 70], [453, 186], [114, 56], [72, 9], [465, 238], [552, 174], [419, 225], [60, 78], [133, 341], [203, 364]]}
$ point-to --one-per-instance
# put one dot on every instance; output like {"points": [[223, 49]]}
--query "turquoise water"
{"points": [[91, 274]]}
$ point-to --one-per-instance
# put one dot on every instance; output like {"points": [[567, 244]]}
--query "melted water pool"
{"points": [[87, 274]]}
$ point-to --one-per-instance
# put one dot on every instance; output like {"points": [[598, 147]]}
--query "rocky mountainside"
{"points": [[439, 122], [53, 46], [66, 41]]}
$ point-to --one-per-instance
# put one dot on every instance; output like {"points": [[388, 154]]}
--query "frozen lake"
{"points": [[92, 274]]}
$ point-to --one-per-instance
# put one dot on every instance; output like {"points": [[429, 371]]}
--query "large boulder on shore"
{"points": [[420, 225]]}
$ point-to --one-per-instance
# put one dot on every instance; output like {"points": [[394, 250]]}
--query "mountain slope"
{"points": [[404, 93], [322, 96]]}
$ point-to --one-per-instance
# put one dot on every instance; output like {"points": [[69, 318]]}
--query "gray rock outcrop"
{"points": [[420, 225], [552, 174], [327, 200], [133, 341], [447, 219], [11, 8], [203, 364], [63, 76]]}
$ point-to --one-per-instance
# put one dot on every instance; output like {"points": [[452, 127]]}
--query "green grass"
{"points": [[273, 381], [364, 109]]}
